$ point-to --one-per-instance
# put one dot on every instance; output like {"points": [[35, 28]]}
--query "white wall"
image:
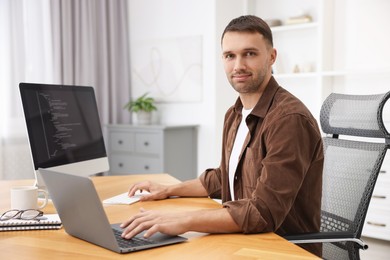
{"points": [[361, 42], [162, 19], [151, 19], [362, 45]]}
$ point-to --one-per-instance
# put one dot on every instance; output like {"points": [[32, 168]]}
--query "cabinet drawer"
{"points": [[377, 224], [122, 141], [384, 174], [148, 143], [381, 195], [123, 164]]}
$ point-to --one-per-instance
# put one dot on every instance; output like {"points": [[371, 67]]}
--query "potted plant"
{"points": [[142, 107]]}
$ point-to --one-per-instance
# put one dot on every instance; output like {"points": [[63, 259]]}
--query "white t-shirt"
{"points": [[242, 132]]}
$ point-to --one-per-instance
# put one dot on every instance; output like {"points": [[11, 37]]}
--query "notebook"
{"points": [[49, 221], [83, 216]]}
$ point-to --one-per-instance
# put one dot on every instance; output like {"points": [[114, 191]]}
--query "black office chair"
{"points": [[351, 168]]}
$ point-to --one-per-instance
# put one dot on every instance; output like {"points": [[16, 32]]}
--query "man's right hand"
{"points": [[157, 191]]}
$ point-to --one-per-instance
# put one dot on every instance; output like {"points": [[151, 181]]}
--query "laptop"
{"points": [[83, 216]]}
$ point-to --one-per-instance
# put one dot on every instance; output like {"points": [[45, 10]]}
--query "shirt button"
{"points": [[236, 178]]}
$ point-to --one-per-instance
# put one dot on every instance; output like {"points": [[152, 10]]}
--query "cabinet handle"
{"points": [[379, 196], [120, 165], [146, 143], [376, 224], [120, 142], [146, 167]]}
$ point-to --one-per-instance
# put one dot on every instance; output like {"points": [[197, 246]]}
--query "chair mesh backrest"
{"points": [[350, 172], [350, 167], [356, 115]]}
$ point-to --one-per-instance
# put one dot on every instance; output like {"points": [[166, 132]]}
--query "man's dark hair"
{"points": [[249, 23]]}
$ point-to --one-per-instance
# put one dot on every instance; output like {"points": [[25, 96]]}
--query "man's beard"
{"points": [[251, 86]]}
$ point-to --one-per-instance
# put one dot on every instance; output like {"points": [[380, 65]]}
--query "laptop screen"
{"points": [[63, 124]]}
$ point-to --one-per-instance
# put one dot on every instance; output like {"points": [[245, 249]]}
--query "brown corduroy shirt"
{"points": [[278, 181]]}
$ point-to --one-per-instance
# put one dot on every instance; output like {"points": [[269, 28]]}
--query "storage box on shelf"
{"points": [[153, 149]]}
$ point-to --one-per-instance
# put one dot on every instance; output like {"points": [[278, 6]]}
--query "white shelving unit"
{"points": [[327, 53], [302, 55], [321, 50]]}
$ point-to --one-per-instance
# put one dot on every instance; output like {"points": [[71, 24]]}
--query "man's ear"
{"points": [[273, 54]]}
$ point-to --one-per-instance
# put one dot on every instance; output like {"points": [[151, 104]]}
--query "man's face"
{"points": [[247, 60]]}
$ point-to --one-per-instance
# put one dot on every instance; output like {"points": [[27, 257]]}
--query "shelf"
{"points": [[294, 27], [336, 73], [295, 75], [312, 74], [357, 73], [333, 73]]}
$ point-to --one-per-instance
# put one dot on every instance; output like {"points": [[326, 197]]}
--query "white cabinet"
{"points": [[377, 223], [153, 149]]}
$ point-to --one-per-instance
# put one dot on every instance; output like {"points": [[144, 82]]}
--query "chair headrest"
{"points": [[356, 115]]}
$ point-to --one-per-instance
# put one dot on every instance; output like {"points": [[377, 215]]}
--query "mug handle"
{"points": [[46, 198]]}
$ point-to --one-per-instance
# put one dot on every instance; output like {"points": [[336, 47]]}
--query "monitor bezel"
{"points": [[87, 166]]}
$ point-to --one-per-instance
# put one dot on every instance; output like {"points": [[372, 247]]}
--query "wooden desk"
{"points": [[57, 244]]}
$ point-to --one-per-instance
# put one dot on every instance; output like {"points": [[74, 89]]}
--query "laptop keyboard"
{"points": [[135, 241]]}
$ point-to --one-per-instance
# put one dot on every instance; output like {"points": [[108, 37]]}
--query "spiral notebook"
{"points": [[50, 221]]}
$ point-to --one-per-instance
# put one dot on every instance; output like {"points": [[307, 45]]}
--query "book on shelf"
{"points": [[49, 221], [299, 20]]}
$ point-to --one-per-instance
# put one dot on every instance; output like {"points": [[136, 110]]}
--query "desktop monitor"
{"points": [[64, 129]]}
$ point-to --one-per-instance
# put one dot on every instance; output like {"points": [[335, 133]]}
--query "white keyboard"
{"points": [[124, 199]]}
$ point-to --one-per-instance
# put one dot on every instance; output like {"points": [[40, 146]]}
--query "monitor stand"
{"points": [[40, 184]]}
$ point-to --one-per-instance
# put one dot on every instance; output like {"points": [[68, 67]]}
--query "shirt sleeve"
{"points": [[291, 143], [211, 181]]}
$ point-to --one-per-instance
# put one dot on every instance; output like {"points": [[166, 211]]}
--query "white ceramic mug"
{"points": [[26, 197]]}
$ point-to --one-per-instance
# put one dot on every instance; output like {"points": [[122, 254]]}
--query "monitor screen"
{"points": [[63, 128]]}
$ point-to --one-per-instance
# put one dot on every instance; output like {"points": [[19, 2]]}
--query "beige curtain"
{"points": [[25, 56], [78, 42], [91, 47]]}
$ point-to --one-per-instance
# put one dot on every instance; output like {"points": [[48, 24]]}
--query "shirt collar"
{"points": [[264, 102]]}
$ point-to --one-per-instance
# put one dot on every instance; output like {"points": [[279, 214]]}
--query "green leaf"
{"points": [[143, 103]]}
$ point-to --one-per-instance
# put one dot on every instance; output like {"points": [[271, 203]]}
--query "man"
{"points": [[270, 176]]}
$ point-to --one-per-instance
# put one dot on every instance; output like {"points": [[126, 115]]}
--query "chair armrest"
{"points": [[325, 237], [319, 235]]}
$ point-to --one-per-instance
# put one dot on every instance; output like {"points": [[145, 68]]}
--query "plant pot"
{"points": [[144, 118]]}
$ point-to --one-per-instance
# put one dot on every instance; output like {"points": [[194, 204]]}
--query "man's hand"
{"points": [[191, 188], [176, 223], [157, 191], [155, 221]]}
